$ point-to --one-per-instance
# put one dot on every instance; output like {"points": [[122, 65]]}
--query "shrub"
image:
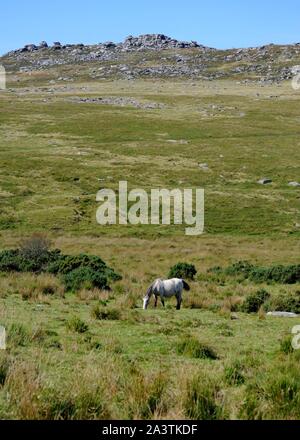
{"points": [[240, 268], [14, 261], [68, 263], [190, 346], [35, 248], [201, 400], [84, 277], [275, 274], [10, 261], [183, 271], [77, 325], [254, 301], [77, 271], [284, 303]]}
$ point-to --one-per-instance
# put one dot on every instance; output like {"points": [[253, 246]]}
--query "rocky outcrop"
{"points": [[156, 42], [142, 42]]}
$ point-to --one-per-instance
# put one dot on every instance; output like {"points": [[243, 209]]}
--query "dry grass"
{"points": [[32, 287], [87, 295], [41, 287]]}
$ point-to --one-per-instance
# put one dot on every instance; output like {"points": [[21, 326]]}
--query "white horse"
{"points": [[166, 289]]}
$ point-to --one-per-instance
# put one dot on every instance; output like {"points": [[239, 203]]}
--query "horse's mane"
{"points": [[149, 291]]}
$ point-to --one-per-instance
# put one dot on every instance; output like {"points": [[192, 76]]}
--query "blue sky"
{"points": [[222, 24]]}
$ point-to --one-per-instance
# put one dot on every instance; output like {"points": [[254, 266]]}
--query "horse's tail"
{"points": [[186, 286]]}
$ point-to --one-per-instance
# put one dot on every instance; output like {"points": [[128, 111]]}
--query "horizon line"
{"points": [[173, 38]]}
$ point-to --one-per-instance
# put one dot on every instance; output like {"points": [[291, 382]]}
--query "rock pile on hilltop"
{"points": [[156, 41], [142, 42]]}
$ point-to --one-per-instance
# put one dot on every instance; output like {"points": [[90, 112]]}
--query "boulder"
{"points": [[29, 48], [265, 181], [295, 70], [109, 45], [43, 45], [282, 314]]}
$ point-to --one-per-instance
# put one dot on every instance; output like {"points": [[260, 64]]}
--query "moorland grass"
{"points": [[55, 155]]}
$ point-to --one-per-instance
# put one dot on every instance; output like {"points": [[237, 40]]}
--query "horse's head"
{"points": [[186, 286], [146, 303]]}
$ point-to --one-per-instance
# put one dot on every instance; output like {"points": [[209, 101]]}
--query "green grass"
{"points": [[95, 354], [60, 150]]}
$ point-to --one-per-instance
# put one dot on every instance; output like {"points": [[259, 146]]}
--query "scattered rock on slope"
{"points": [[265, 181]]}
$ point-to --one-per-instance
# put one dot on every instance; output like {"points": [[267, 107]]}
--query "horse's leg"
{"points": [[156, 299], [162, 301], [179, 301]]}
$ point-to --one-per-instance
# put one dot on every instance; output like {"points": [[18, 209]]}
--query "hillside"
{"points": [[160, 114]]}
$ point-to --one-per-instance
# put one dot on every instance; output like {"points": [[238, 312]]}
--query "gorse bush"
{"points": [[277, 274], [10, 261], [86, 278], [240, 268], [83, 271], [15, 261], [183, 271], [284, 303], [274, 274], [65, 264], [254, 301], [77, 271]]}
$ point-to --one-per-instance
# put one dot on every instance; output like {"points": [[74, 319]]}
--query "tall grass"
{"points": [[191, 346], [203, 399]]}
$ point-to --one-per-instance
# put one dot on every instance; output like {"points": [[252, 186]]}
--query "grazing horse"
{"points": [[166, 289]]}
